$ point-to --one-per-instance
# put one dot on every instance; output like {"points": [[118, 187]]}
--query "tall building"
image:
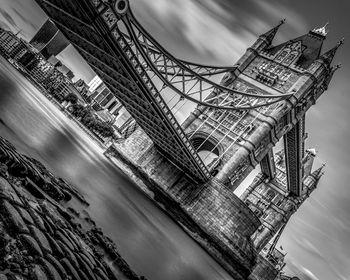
{"points": [[49, 40], [271, 201]]}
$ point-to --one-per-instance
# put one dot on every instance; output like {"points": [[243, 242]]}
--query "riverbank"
{"points": [[40, 236]]}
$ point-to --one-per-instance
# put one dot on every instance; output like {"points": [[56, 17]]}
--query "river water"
{"points": [[151, 243]]}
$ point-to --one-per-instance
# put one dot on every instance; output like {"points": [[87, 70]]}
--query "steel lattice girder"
{"points": [[131, 88], [294, 153]]}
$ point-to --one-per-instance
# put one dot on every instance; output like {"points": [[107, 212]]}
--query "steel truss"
{"points": [[191, 81]]}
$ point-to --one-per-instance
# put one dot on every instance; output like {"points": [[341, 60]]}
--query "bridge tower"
{"points": [[232, 143], [272, 202], [191, 169]]}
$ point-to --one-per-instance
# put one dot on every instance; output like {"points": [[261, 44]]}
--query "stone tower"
{"points": [[232, 143], [271, 201]]}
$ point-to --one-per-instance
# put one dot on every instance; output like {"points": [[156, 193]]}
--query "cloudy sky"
{"points": [[317, 239]]}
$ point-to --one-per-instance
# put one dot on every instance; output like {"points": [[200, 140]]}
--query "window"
{"points": [[270, 195], [282, 55], [290, 58]]}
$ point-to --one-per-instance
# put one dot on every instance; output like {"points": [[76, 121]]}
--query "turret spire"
{"points": [[328, 56], [317, 174], [269, 35], [321, 30]]}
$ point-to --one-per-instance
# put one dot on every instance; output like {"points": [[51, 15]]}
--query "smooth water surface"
{"points": [[151, 242]]}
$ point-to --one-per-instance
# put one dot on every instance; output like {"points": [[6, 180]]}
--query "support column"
{"points": [[267, 165], [293, 147]]}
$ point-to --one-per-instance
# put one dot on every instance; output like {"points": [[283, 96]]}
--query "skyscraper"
{"points": [[49, 40]]}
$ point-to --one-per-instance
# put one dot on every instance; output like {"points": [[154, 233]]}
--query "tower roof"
{"points": [[269, 35], [317, 174], [328, 56], [311, 44]]}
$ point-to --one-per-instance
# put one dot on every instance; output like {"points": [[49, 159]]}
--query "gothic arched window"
{"points": [[290, 58], [282, 55]]}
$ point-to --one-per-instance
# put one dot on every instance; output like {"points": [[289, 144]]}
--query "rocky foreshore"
{"points": [[41, 238]]}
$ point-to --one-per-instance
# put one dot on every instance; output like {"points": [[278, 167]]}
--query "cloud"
{"points": [[24, 19], [301, 271], [277, 10], [4, 25], [7, 17]]}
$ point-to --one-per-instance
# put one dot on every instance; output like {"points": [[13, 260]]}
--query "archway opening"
{"points": [[207, 149]]}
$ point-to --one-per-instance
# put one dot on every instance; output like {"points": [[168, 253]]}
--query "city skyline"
{"points": [[307, 222]]}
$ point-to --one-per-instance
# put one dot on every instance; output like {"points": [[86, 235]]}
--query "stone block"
{"points": [[12, 218], [8, 192], [41, 239], [38, 273], [57, 265], [50, 270], [70, 269], [31, 245]]}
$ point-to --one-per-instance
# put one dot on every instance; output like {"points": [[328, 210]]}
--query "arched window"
{"points": [[263, 65], [282, 55], [290, 58], [270, 195]]}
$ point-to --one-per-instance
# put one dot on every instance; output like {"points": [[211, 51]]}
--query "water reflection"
{"points": [[152, 244]]}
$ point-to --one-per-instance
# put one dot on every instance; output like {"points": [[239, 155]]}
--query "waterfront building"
{"points": [[49, 40]]}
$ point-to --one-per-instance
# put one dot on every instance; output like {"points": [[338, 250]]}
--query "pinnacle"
{"points": [[329, 55], [318, 172], [269, 35]]}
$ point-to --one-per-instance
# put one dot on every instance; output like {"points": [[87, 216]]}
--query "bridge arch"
{"points": [[208, 148]]}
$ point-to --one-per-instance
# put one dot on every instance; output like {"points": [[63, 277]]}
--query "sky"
{"points": [[218, 32]]}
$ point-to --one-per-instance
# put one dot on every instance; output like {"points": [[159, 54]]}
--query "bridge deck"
{"points": [[114, 61]]}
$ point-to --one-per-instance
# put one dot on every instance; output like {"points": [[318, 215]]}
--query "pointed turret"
{"points": [[328, 56], [270, 35], [265, 40], [317, 174]]}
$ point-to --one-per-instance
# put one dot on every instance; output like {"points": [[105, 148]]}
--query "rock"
{"points": [[48, 227], [52, 213], [85, 267], [67, 195], [25, 215], [3, 170], [31, 245], [8, 192], [90, 257], [70, 269], [3, 277], [57, 265], [50, 270], [56, 249], [68, 254], [87, 260], [101, 273], [13, 218], [41, 239], [37, 219], [65, 240], [53, 191], [38, 273]]}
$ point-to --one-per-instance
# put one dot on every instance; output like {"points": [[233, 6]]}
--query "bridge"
{"points": [[240, 111]]}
